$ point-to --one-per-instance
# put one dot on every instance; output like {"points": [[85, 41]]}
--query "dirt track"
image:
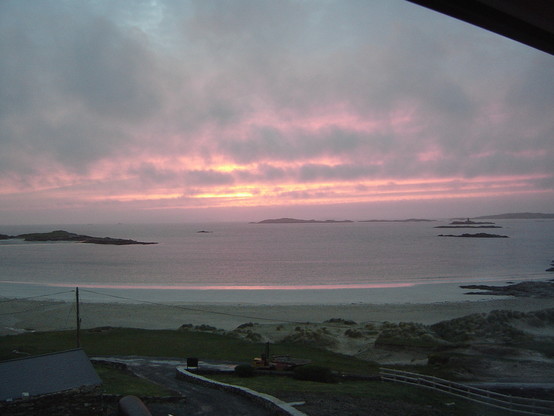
{"points": [[199, 400], [206, 401]]}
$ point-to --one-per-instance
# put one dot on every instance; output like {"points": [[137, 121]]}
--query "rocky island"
{"points": [[478, 235], [61, 235], [532, 289], [468, 226], [470, 222]]}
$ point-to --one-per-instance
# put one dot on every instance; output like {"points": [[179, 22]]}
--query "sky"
{"points": [[240, 110]]}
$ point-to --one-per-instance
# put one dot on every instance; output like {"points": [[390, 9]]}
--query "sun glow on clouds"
{"points": [[337, 116], [244, 185], [223, 195], [136, 197], [346, 192]]}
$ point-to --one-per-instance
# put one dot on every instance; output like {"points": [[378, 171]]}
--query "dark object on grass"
{"points": [[244, 370], [312, 372]]}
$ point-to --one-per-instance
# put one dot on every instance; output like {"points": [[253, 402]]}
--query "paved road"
{"points": [[200, 400]]}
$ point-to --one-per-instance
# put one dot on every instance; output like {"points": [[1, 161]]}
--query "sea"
{"points": [[353, 262]]}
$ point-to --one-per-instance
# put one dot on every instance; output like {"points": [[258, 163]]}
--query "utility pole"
{"points": [[78, 318]]}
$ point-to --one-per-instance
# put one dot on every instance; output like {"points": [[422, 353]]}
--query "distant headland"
{"points": [[61, 235], [517, 216], [406, 220], [455, 222], [299, 221]]}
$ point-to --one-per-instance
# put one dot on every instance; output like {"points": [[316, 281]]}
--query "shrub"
{"points": [[314, 373], [319, 338], [340, 321], [495, 326], [253, 336], [205, 327], [244, 370], [246, 325], [408, 334], [353, 333]]}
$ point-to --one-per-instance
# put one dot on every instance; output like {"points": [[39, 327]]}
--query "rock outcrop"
{"points": [[61, 235]]}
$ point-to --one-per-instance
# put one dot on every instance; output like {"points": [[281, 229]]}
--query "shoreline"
{"points": [[44, 315], [396, 293], [42, 308]]}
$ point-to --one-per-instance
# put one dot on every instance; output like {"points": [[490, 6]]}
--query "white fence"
{"points": [[515, 404]]}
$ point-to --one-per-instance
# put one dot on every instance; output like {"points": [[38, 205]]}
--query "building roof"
{"points": [[45, 374], [527, 21]]}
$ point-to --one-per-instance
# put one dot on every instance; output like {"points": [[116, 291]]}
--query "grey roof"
{"points": [[527, 21], [44, 374]]}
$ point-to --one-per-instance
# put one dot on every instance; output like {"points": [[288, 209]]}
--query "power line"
{"points": [[34, 297], [187, 308], [34, 308], [18, 312], [166, 305]]}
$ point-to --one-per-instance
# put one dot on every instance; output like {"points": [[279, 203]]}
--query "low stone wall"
{"points": [[78, 402], [272, 403]]}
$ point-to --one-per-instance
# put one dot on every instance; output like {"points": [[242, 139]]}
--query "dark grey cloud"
{"points": [[313, 172], [74, 84], [208, 177]]}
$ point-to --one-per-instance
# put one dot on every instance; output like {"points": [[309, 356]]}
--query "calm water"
{"points": [[242, 256]]}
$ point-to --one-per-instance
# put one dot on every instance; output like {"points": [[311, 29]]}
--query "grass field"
{"points": [[205, 345], [171, 343], [122, 383]]}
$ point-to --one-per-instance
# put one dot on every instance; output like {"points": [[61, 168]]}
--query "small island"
{"points": [[478, 235], [468, 226], [467, 223], [470, 222], [299, 221], [406, 220], [61, 235]]}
